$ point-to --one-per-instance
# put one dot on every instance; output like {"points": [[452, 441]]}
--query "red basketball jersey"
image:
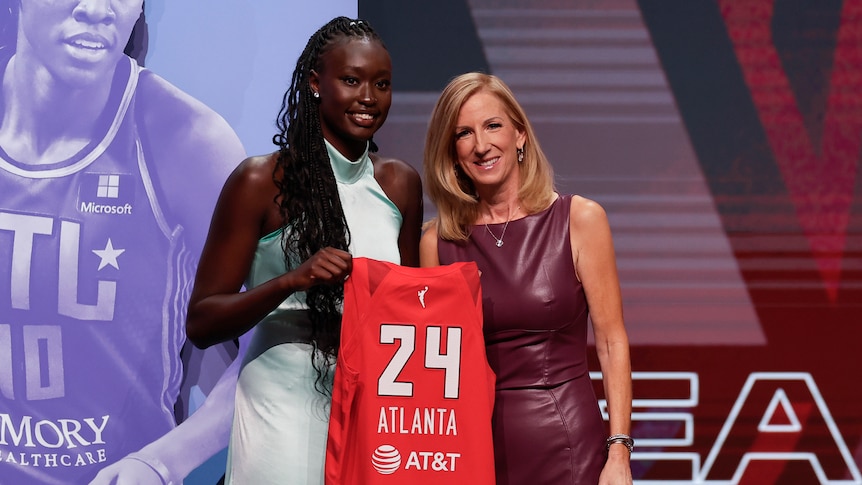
{"points": [[413, 392]]}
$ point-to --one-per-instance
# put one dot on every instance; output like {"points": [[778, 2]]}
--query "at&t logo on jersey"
{"points": [[386, 459], [111, 194]]}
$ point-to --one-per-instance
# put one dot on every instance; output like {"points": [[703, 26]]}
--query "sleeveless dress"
{"points": [[281, 420], [94, 276], [547, 425]]}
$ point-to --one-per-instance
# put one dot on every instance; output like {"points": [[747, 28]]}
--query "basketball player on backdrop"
{"points": [[108, 173]]}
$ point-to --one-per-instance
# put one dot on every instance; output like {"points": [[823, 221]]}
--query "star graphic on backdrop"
{"points": [[109, 255]]}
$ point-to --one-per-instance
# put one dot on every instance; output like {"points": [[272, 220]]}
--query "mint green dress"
{"points": [[280, 421]]}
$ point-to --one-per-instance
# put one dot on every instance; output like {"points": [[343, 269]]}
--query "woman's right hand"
{"points": [[326, 266]]}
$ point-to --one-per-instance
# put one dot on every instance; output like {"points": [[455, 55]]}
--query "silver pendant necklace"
{"points": [[499, 240]]}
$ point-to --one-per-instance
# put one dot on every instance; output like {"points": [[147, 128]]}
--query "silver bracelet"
{"points": [[156, 465], [620, 438]]}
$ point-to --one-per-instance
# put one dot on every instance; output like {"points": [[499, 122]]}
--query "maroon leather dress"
{"points": [[547, 425]]}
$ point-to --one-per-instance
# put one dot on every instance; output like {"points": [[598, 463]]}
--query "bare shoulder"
{"points": [[403, 186], [164, 100], [388, 163], [429, 231], [180, 125], [586, 213], [247, 198], [389, 170], [255, 172]]}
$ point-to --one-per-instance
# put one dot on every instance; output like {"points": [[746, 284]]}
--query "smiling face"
{"points": [[77, 41], [486, 143], [354, 82]]}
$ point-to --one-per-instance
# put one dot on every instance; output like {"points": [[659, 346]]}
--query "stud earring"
{"points": [[316, 95], [520, 155]]}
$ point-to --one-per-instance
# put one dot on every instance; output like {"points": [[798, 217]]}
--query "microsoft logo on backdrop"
{"points": [[106, 194]]}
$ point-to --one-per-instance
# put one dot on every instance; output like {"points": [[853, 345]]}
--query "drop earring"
{"points": [[520, 155]]}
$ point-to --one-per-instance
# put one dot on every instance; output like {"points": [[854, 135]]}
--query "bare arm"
{"points": [[218, 310], [428, 247], [593, 253]]}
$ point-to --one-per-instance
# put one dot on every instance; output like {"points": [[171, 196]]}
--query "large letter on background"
{"points": [[780, 417], [820, 178]]}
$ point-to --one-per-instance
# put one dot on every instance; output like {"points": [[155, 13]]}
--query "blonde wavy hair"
{"points": [[449, 188]]}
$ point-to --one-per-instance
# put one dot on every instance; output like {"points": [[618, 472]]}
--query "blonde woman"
{"points": [[547, 262]]}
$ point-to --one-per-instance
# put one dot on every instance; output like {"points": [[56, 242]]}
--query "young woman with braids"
{"points": [[286, 226]]}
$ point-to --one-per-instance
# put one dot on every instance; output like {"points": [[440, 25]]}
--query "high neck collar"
{"points": [[346, 171]]}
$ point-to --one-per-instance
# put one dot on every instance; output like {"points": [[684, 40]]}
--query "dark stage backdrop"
{"points": [[723, 138]]}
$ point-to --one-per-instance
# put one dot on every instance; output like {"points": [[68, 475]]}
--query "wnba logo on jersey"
{"points": [[106, 194], [421, 294], [386, 459]]}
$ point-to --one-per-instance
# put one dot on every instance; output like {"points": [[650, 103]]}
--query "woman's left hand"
{"points": [[617, 470]]}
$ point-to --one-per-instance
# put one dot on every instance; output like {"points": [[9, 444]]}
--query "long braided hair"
{"points": [[308, 195]]}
